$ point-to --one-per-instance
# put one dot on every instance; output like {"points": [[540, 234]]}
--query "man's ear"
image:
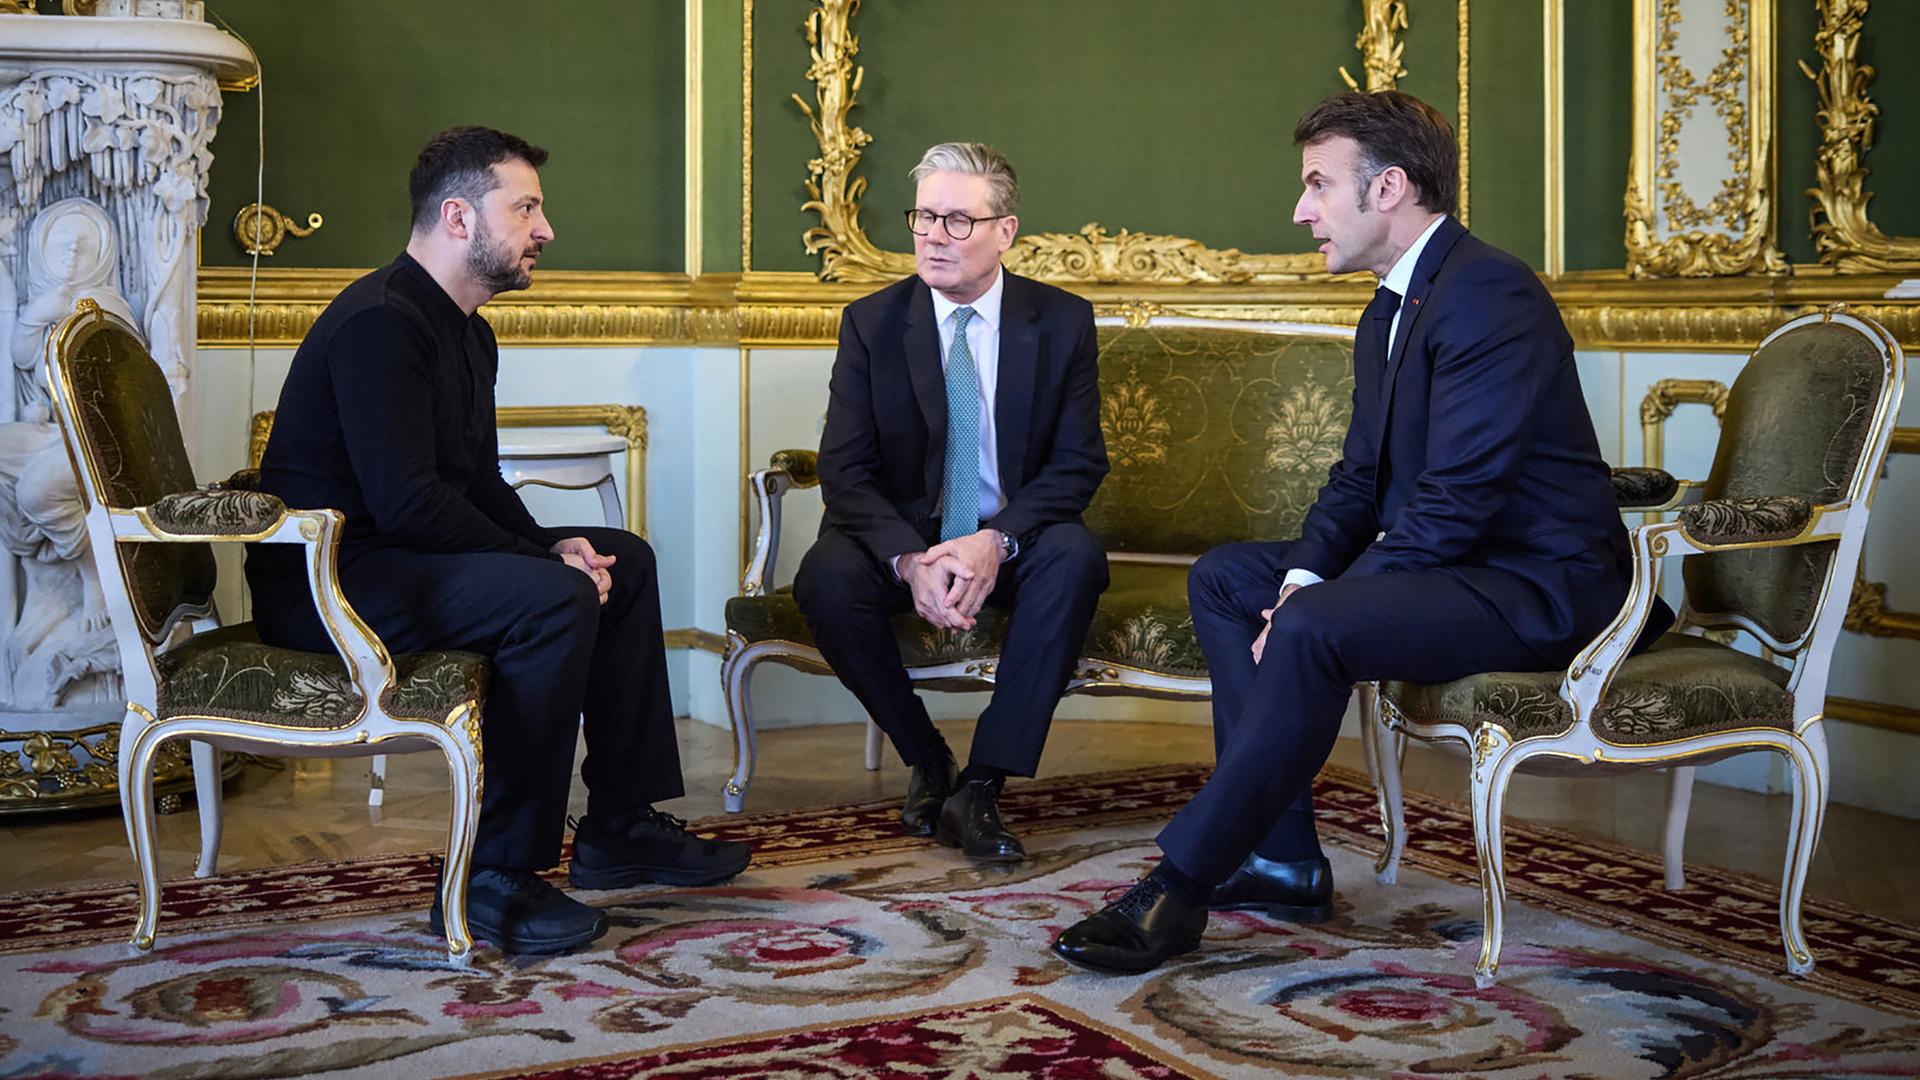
{"points": [[1009, 228], [1393, 188], [457, 215]]}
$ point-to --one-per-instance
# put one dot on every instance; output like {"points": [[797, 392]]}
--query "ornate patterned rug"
{"points": [[850, 951]]}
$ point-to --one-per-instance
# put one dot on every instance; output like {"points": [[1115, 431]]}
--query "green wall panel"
{"points": [[353, 92], [782, 142], [720, 135], [1796, 138], [1596, 131], [1506, 126]]}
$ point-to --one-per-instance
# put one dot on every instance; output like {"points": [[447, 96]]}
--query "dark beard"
{"points": [[493, 267]]}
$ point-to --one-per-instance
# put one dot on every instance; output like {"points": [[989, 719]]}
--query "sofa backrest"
{"points": [[1217, 430]]}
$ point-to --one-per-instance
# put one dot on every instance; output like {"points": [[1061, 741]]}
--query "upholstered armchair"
{"points": [[1217, 430], [1768, 546], [188, 677]]}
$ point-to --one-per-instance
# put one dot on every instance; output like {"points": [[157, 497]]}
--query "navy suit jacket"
{"points": [[1472, 450], [883, 453]]}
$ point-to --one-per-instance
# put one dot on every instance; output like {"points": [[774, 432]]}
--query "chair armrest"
{"points": [[216, 512], [368, 662], [1722, 523], [786, 470], [1715, 525], [1649, 489]]}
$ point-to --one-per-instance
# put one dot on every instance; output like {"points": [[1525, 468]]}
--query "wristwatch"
{"points": [[1009, 547]]}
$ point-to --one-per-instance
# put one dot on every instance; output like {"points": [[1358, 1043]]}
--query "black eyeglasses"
{"points": [[959, 224]]}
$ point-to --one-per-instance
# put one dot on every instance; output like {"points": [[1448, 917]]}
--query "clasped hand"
{"points": [[577, 552], [951, 581]]}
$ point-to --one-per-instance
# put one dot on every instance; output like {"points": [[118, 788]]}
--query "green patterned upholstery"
{"points": [[134, 451], [1746, 521], [229, 673], [1638, 487], [1682, 686], [1215, 435], [216, 512], [1796, 424], [1141, 622]]}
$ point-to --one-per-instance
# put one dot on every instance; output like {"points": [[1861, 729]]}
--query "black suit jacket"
{"points": [[883, 453], [387, 415], [1471, 448]]}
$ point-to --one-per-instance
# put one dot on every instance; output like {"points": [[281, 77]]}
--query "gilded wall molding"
{"points": [[1602, 309], [1094, 255], [1671, 228], [1846, 238], [1379, 44], [1460, 129]]}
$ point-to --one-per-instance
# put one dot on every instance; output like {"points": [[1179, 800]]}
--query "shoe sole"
{"points": [[524, 946], [1103, 969], [949, 840], [1284, 912], [629, 876]]}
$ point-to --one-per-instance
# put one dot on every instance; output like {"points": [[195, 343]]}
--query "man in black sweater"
{"points": [[388, 416]]}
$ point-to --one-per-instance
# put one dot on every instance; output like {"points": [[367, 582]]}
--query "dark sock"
{"points": [[1181, 887], [976, 773]]}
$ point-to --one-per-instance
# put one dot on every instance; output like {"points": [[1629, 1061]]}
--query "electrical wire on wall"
{"points": [[259, 198]]}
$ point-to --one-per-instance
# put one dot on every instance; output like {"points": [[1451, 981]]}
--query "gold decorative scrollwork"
{"points": [[1667, 232], [261, 229], [1667, 395], [1379, 48], [63, 770], [1093, 255], [1846, 238]]}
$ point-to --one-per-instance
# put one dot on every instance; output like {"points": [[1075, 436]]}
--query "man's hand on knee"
{"points": [[577, 552], [930, 583], [978, 556], [1260, 643]]}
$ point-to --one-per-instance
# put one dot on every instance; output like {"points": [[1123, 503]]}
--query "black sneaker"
{"points": [[653, 847], [518, 912]]}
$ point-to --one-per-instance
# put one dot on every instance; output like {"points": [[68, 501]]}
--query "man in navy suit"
{"points": [[1469, 526], [962, 444]]}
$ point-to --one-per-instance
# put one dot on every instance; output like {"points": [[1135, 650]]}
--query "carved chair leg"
{"points": [[734, 674], [464, 772], [1384, 755], [1808, 756], [873, 745], [377, 780], [1673, 846], [1493, 765], [136, 805], [206, 790]]}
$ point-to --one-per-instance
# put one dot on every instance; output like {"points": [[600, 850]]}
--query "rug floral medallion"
{"points": [[850, 951]]}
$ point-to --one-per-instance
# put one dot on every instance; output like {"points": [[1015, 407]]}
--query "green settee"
{"points": [[1217, 431]]}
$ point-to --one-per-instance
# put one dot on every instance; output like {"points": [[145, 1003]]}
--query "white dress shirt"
{"points": [[1397, 279], [983, 341]]}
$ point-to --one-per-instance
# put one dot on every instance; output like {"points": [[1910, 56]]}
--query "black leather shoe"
{"points": [[653, 847], [1300, 891], [928, 785], [1136, 933], [970, 821], [518, 912]]}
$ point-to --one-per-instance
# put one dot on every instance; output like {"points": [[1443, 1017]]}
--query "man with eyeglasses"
{"points": [[962, 444]]}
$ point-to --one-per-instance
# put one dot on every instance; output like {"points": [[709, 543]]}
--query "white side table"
{"points": [[571, 460]]}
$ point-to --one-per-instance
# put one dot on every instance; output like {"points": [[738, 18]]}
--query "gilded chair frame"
{"points": [[367, 660], [796, 469], [1495, 755]]}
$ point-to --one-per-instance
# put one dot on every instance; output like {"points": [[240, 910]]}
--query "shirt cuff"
{"points": [[1301, 577], [895, 563]]}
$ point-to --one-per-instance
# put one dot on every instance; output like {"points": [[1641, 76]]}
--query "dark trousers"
{"points": [[850, 598], [1275, 722], [557, 653]]}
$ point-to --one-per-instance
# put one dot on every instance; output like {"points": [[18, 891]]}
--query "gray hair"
{"points": [[974, 159]]}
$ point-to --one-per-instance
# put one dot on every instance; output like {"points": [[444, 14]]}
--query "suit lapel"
{"points": [[1411, 307], [920, 342], [1013, 392]]}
